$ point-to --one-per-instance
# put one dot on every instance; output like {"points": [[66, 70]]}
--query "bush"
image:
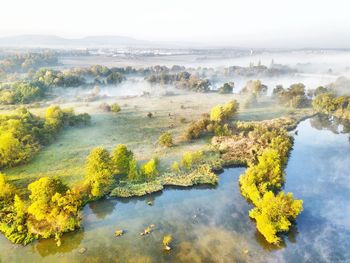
{"points": [[7, 191], [150, 169], [189, 159], [104, 107], [224, 112], [175, 167], [115, 108], [197, 128], [166, 139]]}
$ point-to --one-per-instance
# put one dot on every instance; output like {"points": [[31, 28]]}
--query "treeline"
{"points": [[181, 80], [331, 104], [261, 184], [258, 70], [20, 93], [23, 133], [28, 61], [38, 84]]}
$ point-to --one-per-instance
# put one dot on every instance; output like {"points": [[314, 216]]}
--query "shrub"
{"points": [[7, 191], [189, 159], [104, 107], [197, 128], [175, 167], [115, 108], [224, 112], [166, 139], [150, 169]]}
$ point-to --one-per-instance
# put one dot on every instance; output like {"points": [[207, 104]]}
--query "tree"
{"points": [[150, 169], [121, 158], [54, 209], [166, 139], [99, 171], [134, 172], [227, 88], [255, 87], [54, 118], [12, 151], [267, 175], [7, 191], [42, 192], [274, 213], [114, 78], [224, 112]]}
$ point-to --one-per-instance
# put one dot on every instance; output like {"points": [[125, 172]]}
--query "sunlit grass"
{"points": [[65, 157]]}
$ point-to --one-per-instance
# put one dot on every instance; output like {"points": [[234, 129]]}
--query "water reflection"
{"points": [[70, 241], [211, 224], [102, 211], [325, 122]]}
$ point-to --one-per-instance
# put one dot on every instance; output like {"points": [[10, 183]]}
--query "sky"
{"points": [[264, 23]]}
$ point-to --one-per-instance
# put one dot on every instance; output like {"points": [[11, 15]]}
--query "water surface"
{"points": [[211, 224]]}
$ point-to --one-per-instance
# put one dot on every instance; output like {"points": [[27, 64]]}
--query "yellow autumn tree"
{"points": [[274, 213]]}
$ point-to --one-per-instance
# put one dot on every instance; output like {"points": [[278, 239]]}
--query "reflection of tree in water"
{"points": [[102, 208], [70, 241], [325, 122], [291, 235]]}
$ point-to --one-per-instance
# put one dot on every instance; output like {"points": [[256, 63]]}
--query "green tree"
{"points": [[54, 118], [227, 88], [99, 171], [134, 172], [121, 158]]}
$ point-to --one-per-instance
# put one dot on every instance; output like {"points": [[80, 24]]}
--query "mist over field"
{"points": [[174, 131]]}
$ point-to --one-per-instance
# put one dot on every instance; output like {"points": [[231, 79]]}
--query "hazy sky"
{"points": [[235, 22]]}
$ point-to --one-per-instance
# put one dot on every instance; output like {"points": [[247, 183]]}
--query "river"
{"points": [[211, 224]]}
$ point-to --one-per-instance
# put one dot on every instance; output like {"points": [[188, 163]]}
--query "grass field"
{"points": [[65, 157]]}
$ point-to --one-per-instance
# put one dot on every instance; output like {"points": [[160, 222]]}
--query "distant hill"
{"points": [[55, 41]]}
